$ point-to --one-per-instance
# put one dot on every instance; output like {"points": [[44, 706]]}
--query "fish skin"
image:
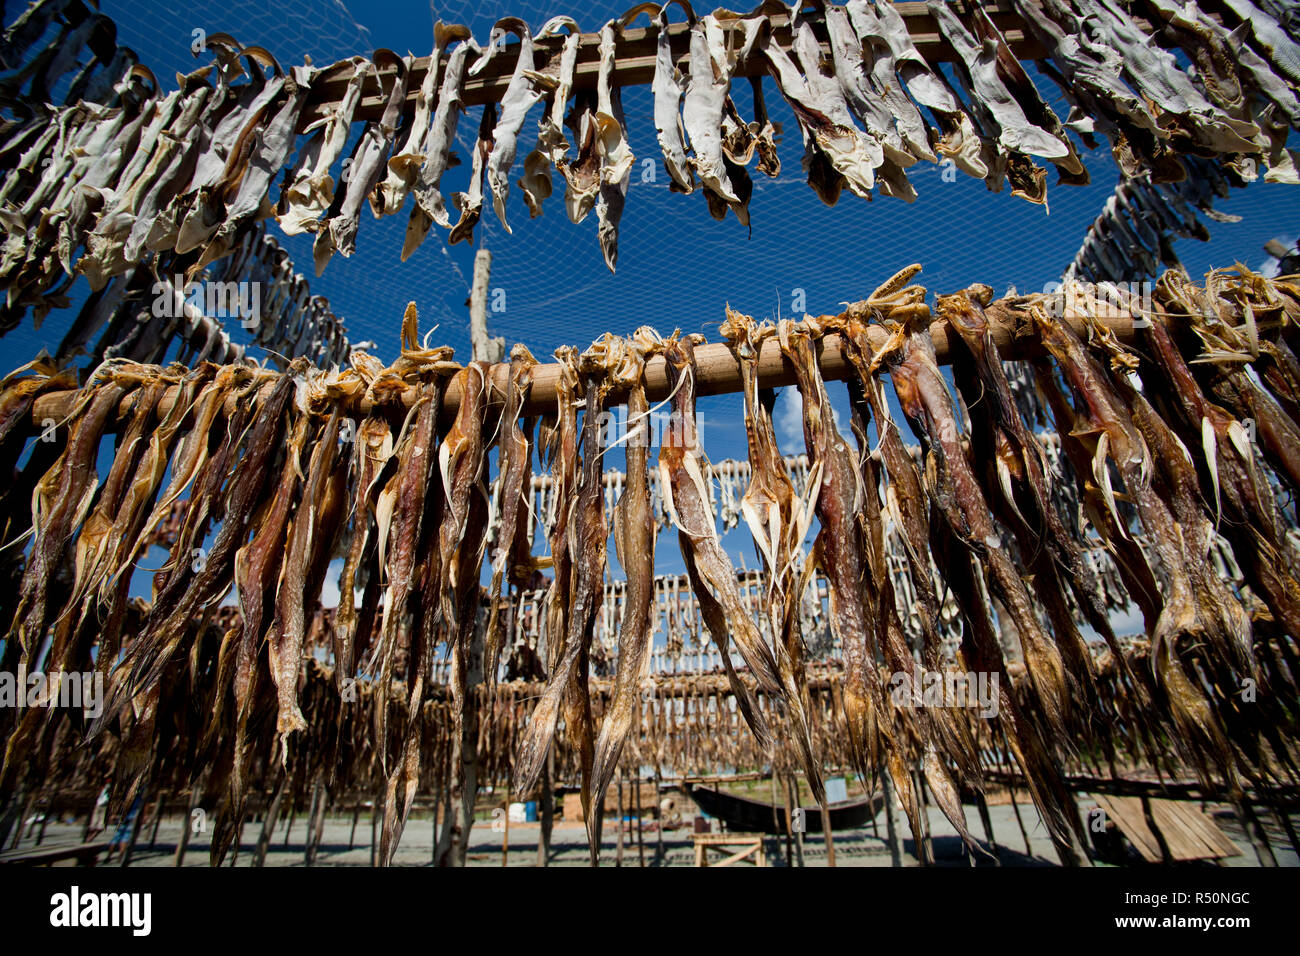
{"points": [[840, 557], [514, 466], [588, 532], [634, 539], [682, 467], [924, 397], [779, 522]]}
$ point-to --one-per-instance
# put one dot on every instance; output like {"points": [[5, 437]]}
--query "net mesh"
{"points": [[677, 266]]}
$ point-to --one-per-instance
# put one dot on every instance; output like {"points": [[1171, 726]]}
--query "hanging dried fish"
{"points": [[311, 190], [616, 157], [514, 464], [526, 89], [682, 467], [778, 522], [429, 206], [552, 148], [408, 159], [339, 231], [634, 543]]}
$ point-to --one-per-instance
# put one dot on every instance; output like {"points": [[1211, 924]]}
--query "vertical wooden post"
{"points": [[484, 348], [789, 850], [505, 837], [987, 820], [791, 804], [187, 826], [269, 821], [1011, 791], [293, 814], [618, 856], [891, 822], [640, 843], [546, 794], [827, 836], [157, 820], [307, 854], [319, 827]]}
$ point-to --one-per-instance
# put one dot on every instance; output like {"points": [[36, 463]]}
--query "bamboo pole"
{"points": [[718, 371]]}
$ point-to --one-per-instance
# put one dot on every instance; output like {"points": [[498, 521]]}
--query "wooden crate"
{"points": [[649, 802]]}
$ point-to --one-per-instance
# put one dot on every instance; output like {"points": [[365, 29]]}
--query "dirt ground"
{"points": [[340, 847]]}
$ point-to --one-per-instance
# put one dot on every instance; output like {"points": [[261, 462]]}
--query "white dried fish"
{"points": [[526, 89], [430, 206], [311, 191], [552, 148], [406, 161], [616, 157]]}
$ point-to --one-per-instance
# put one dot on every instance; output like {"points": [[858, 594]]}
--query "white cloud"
{"points": [[329, 592], [789, 420]]}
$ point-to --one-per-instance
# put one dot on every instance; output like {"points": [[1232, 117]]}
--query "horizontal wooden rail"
{"points": [[718, 369]]}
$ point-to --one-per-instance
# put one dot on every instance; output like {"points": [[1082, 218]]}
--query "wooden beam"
{"points": [[718, 369]]}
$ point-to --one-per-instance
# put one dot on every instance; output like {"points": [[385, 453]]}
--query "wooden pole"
{"points": [[546, 794], [717, 368], [618, 854], [269, 821], [891, 824], [505, 836], [827, 835], [288, 826], [987, 820], [187, 826], [792, 803], [1011, 792], [157, 821], [484, 347], [640, 843], [307, 854], [789, 849]]}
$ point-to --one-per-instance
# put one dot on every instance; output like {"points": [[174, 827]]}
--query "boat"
{"points": [[744, 815]]}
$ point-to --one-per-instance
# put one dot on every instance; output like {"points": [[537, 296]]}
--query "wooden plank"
{"points": [[1126, 813], [1187, 832], [84, 853], [1183, 823]]}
